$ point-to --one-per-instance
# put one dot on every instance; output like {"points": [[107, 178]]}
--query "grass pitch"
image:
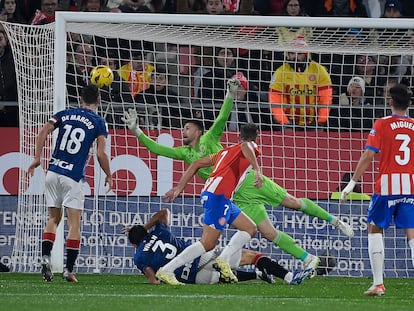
{"points": [[132, 292]]}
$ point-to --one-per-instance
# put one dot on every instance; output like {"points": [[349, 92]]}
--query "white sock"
{"points": [[411, 244], [288, 277], [187, 255], [376, 257], [236, 242]]}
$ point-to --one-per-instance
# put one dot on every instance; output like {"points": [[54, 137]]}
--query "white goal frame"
{"points": [[67, 21]]}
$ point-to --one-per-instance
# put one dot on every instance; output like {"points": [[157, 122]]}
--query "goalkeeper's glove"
{"points": [[348, 189], [130, 120], [232, 87]]}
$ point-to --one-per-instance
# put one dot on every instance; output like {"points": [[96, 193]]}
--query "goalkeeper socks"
{"points": [[72, 251], [288, 244], [312, 209], [265, 264], [376, 257], [411, 244], [48, 239], [187, 255], [236, 243]]}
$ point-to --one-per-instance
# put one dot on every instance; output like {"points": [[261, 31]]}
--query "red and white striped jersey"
{"points": [[230, 169], [393, 138]]}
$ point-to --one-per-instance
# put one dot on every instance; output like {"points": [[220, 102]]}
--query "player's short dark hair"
{"points": [[136, 234], [401, 96], [197, 123], [90, 94], [248, 132]]}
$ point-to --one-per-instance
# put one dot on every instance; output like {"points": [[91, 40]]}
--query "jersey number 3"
{"points": [[403, 159]]}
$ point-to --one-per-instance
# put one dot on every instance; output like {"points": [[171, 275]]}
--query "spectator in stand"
{"points": [[393, 9], [300, 92], [78, 71], [214, 7], [353, 113], [367, 68], [259, 66], [395, 65], [136, 73], [11, 13], [294, 8], [158, 104], [247, 107], [9, 115], [268, 7], [351, 8], [213, 84], [93, 6], [28, 8], [132, 6], [341, 67], [382, 107], [46, 14], [178, 61]]}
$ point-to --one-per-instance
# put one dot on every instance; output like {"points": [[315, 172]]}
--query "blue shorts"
{"points": [[383, 208], [219, 211]]}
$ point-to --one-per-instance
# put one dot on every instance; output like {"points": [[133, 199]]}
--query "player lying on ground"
{"points": [[155, 245], [250, 199]]}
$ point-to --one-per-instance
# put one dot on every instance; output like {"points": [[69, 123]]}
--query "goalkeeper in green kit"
{"points": [[250, 199]]}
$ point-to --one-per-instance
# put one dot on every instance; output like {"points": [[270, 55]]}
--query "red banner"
{"points": [[307, 164]]}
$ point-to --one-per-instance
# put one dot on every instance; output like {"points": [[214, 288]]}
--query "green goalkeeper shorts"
{"points": [[252, 200]]}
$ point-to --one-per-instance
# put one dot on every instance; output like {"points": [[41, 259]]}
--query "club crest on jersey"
{"points": [[312, 77], [372, 132]]}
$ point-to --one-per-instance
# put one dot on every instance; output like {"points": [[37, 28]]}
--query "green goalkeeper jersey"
{"points": [[250, 199], [209, 142]]}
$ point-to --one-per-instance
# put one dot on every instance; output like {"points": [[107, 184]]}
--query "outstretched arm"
{"points": [[216, 130], [362, 166], [189, 173], [130, 120], [161, 216]]}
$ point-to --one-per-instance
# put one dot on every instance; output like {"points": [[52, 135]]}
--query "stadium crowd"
{"points": [[169, 83]]}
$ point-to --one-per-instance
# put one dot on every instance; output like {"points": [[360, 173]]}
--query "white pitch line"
{"points": [[173, 296]]}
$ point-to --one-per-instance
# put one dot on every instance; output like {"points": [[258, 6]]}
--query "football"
{"points": [[102, 76]]}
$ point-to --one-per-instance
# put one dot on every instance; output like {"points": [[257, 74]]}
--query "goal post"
{"points": [[171, 68]]}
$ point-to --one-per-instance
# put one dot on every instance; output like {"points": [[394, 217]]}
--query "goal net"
{"points": [[172, 68]]}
